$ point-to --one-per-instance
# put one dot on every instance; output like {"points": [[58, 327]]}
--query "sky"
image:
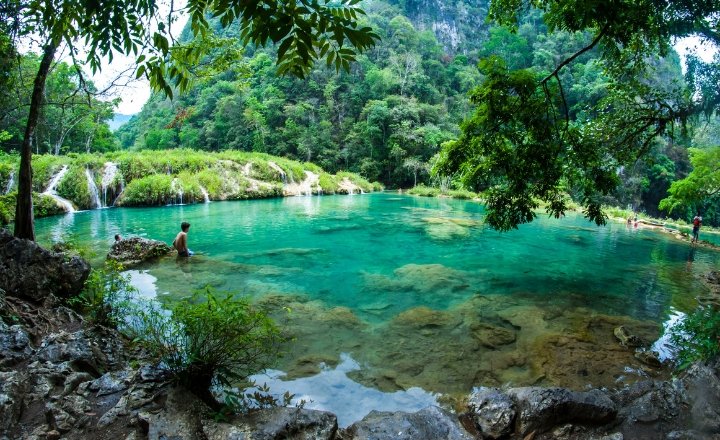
{"points": [[136, 94]]}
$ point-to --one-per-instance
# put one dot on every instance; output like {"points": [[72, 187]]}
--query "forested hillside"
{"points": [[385, 119]]}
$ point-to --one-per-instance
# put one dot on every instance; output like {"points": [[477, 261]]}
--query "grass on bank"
{"points": [[151, 178]]}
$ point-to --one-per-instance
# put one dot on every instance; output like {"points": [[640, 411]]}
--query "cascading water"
{"points": [[277, 168], [177, 188], [205, 194], [51, 190], [109, 173], [11, 183], [94, 193], [311, 180]]}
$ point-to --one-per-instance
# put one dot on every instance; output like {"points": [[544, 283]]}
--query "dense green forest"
{"points": [[386, 118]]}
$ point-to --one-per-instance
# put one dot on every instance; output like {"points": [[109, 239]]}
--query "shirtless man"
{"points": [[180, 242]]}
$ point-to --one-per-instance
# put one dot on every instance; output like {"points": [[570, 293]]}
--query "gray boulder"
{"points": [[540, 409], [180, 419], [431, 423], [30, 271], [492, 412], [136, 250], [12, 395], [14, 345], [276, 424], [83, 349]]}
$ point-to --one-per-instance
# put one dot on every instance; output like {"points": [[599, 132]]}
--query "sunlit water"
{"points": [[414, 299]]}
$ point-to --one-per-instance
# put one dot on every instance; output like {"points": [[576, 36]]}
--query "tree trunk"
{"points": [[24, 222]]}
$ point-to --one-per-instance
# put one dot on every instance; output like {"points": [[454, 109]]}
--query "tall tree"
{"points": [[523, 145], [305, 30]]}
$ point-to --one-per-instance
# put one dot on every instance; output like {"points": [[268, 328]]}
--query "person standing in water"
{"points": [[180, 242], [697, 222]]}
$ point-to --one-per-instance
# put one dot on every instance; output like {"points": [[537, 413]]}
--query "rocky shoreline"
{"points": [[61, 377]]}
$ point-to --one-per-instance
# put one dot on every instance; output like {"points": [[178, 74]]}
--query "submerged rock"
{"points": [[626, 338], [492, 336], [133, 251], [30, 271], [648, 357]]}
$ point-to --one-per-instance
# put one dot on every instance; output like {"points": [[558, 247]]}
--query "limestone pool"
{"points": [[396, 301]]}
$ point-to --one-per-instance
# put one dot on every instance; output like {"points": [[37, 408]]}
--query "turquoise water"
{"points": [[417, 291]]}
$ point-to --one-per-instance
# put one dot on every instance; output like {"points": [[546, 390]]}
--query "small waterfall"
{"points": [[50, 190], [11, 182], [94, 194], [311, 181], [108, 177], [350, 190], [205, 194], [283, 176], [177, 188]]}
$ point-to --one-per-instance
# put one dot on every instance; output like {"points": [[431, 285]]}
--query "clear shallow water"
{"points": [[416, 291]]}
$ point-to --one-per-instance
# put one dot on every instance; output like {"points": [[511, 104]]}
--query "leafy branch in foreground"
{"points": [[523, 145], [697, 336]]}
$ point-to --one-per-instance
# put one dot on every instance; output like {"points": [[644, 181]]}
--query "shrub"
{"points": [[7, 208], [212, 182], [329, 183], [462, 194], [209, 340], [74, 187], [425, 191], [105, 298], [697, 337], [356, 179], [44, 167], [45, 206], [154, 189]]}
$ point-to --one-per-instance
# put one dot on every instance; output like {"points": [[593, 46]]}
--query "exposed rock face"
{"points": [[29, 271], [539, 409], [14, 345], [277, 424], [133, 251], [492, 412], [429, 423]]}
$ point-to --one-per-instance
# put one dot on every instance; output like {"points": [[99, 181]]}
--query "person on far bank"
{"points": [[697, 222], [180, 242]]}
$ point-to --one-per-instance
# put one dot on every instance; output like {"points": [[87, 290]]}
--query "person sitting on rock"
{"points": [[180, 242], [118, 238]]}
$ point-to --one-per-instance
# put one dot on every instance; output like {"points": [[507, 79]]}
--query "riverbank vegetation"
{"points": [[145, 178]]}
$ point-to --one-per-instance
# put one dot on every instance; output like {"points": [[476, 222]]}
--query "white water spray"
{"points": [[11, 182], [177, 188], [52, 186], [107, 179], [94, 194], [205, 194], [277, 168]]}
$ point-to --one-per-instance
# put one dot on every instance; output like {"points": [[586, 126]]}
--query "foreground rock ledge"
{"points": [[32, 272]]}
